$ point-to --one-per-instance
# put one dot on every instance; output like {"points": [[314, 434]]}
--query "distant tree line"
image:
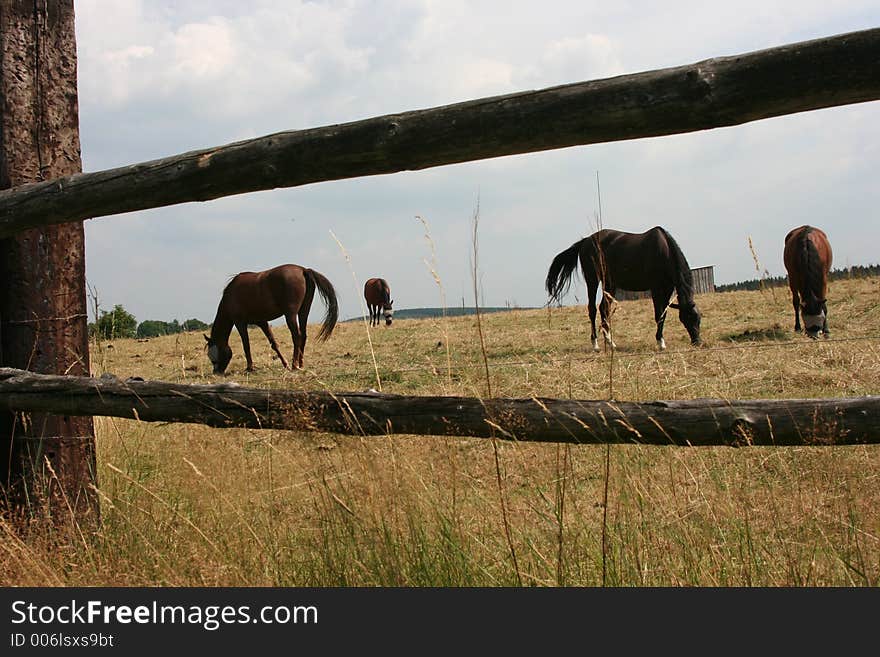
{"points": [[151, 328], [856, 271], [119, 323]]}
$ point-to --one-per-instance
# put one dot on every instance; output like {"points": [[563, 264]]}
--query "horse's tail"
{"points": [[684, 278], [328, 294], [811, 265], [561, 269]]}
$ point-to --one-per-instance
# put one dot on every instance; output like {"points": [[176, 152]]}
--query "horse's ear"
{"points": [[673, 305]]}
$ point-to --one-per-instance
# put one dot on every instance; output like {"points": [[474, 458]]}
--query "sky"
{"points": [[160, 78]]}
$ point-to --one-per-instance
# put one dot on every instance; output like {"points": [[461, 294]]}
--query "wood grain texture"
{"points": [[697, 422], [43, 318], [717, 92]]}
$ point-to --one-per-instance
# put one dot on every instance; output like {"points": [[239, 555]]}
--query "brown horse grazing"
{"points": [[258, 298], [807, 256], [630, 261], [378, 297]]}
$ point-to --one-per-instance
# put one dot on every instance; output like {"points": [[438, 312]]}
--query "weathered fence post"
{"points": [[47, 460]]}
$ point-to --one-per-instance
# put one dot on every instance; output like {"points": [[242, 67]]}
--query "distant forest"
{"points": [[857, 271]]}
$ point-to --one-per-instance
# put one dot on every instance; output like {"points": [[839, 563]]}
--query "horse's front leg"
{"points": [[242, 328], [660, 310], [795, 301], [825, 322]]}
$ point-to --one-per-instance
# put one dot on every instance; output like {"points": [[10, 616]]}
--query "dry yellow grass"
{"points": [[189, 505]]}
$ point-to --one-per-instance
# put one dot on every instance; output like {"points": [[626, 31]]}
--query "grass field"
{"points": [[187, 505]]}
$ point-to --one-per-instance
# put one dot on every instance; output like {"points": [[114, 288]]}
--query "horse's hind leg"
{"points": [[267, 331], [303, 332], [592, 287], [304, 309], [242, 328], [290, 318]]}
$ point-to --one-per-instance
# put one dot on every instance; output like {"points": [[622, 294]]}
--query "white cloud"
{"points": [[204, 51], [158, 78]]}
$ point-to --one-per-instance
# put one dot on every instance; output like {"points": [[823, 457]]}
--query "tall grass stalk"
{"points": [[333, 510], [475, 221], [432, 267]]}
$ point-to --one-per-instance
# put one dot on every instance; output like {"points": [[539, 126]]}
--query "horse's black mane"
{"points": [[684, 278], [812, 264]]}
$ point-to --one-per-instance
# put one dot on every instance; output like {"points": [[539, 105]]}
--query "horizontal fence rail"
{"points": [[698, 422], [717, 92]]}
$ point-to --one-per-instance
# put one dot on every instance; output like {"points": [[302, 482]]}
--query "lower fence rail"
{"points": [[694, 422]]}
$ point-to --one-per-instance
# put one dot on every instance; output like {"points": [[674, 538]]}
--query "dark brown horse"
{"points": [[378, 297], [807, 256], [258, 298], [629, 261]]}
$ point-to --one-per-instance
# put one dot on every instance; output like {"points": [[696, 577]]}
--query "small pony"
{"points": [[807, 257], [258, 298], [377, 294], [630, 261]]}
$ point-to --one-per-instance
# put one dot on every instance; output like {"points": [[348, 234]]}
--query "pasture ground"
{"points": [[186, 505]]}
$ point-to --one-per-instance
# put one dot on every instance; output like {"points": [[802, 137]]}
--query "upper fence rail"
{"points": [[717, 92]]}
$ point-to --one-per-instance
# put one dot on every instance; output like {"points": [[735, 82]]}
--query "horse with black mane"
{"points": [[258, 298], [807, 257], [377, 294], [630, 261]]}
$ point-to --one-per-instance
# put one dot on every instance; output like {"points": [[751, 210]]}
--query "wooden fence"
{"points": [[717, 92], [697, 422]]}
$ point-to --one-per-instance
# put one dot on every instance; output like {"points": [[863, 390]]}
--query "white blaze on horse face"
{"points": [[213, 353]]}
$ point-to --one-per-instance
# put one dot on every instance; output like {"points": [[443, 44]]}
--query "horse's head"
{"points": [[388, 311], [690, 317], [219, 355], [813, 312]]}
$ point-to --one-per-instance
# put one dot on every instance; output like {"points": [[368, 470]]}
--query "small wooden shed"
{"points": [[704, 281]]}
